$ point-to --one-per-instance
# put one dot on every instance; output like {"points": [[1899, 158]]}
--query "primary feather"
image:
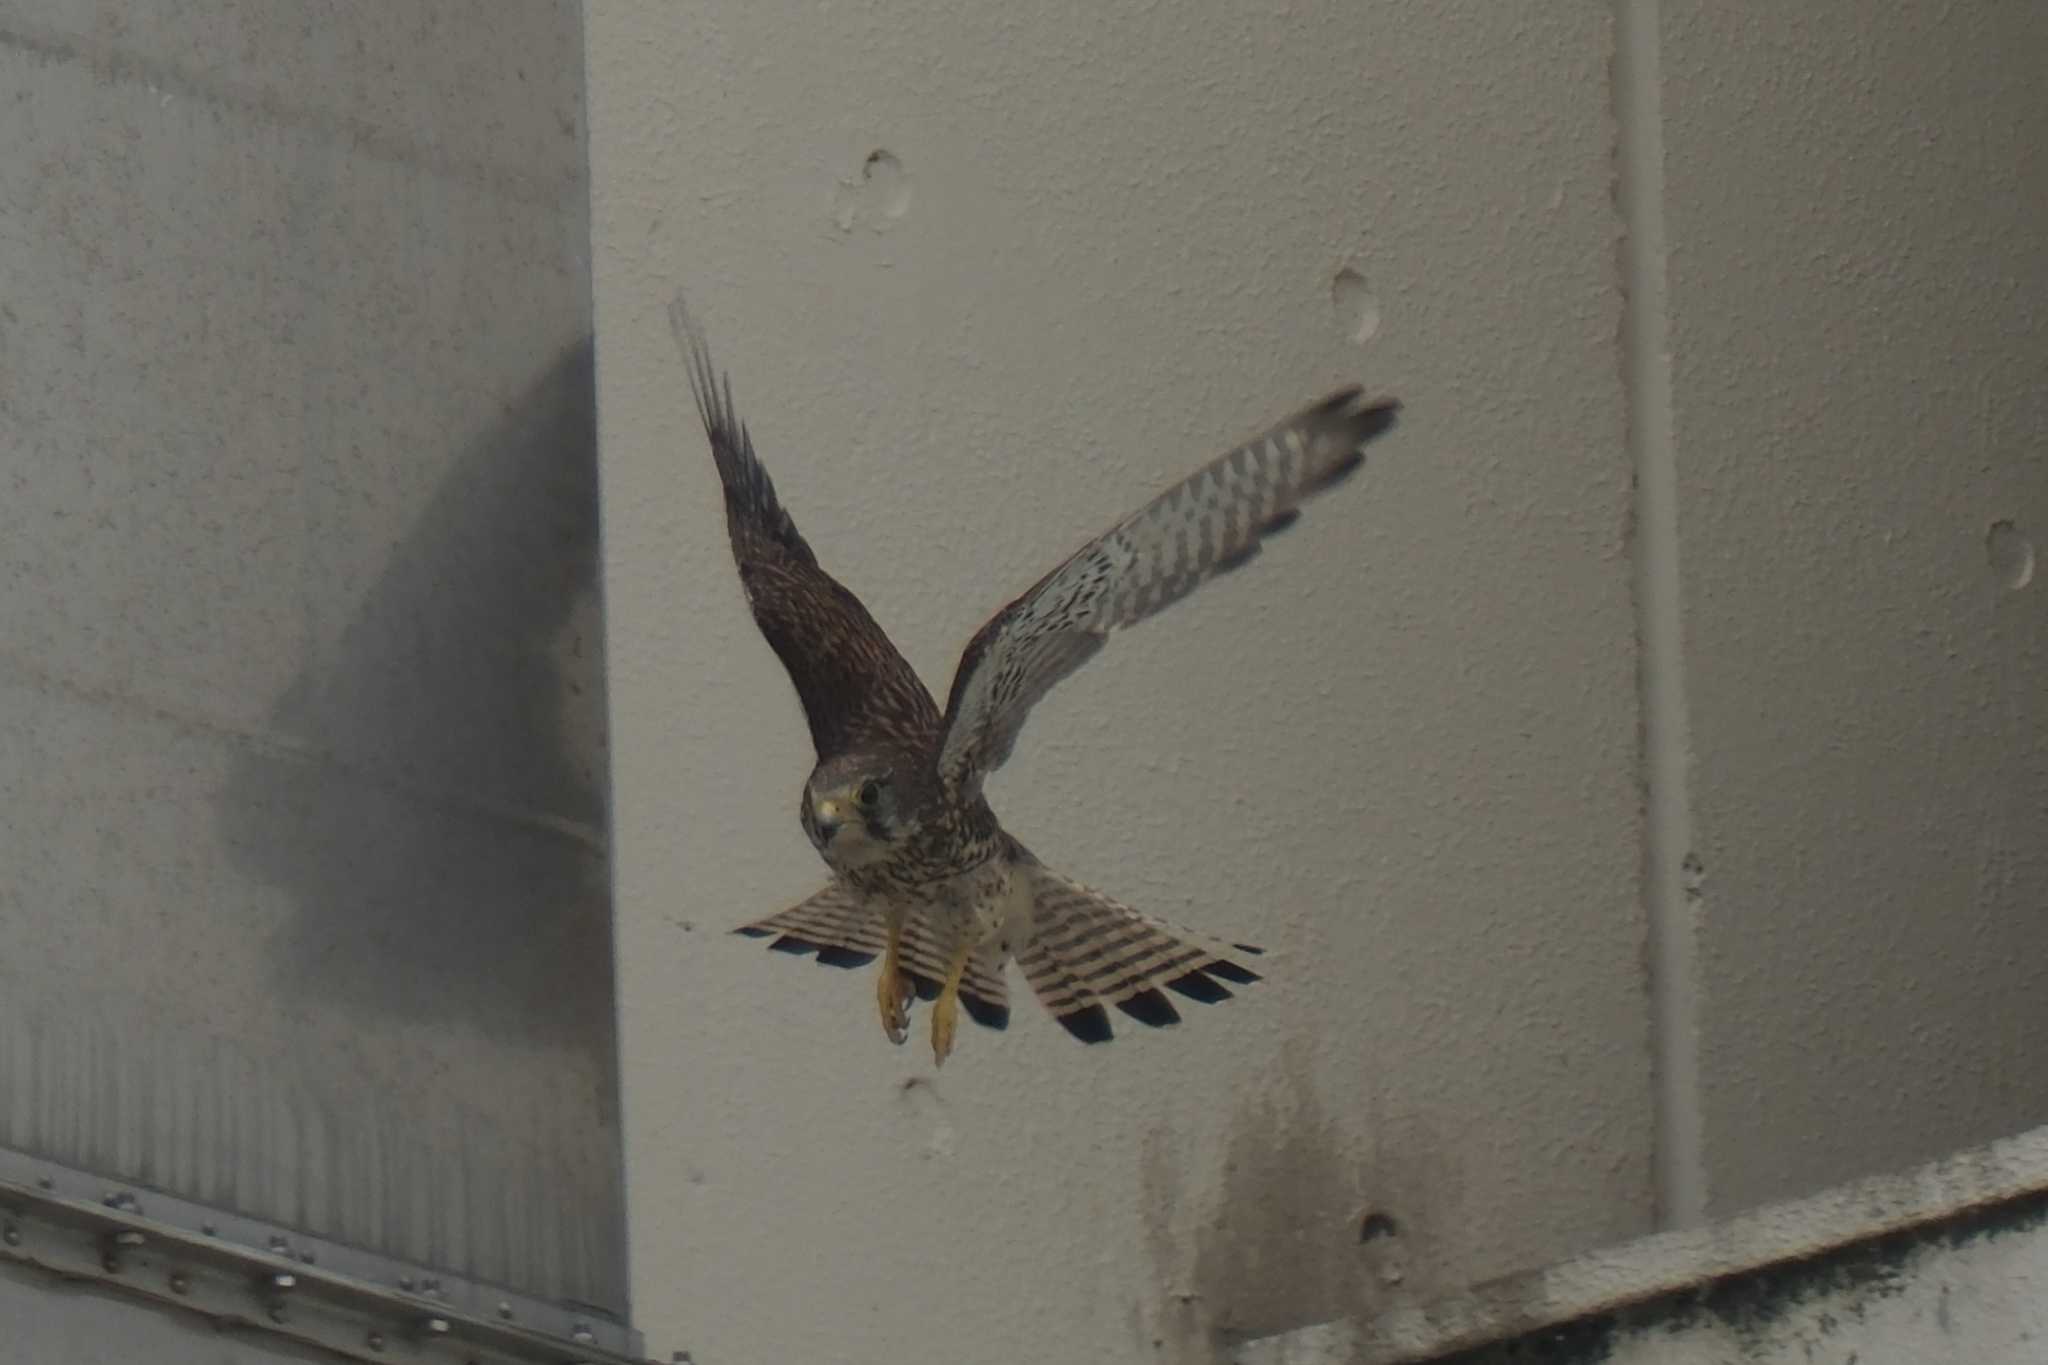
{"points": [[854, 685], [1209, 523]]}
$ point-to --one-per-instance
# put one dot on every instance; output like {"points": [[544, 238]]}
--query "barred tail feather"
{"points": [[845, 930], [834, 923], [1087, 952]]}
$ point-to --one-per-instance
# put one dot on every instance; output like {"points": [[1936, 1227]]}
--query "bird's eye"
{"points": [[869, 793]]}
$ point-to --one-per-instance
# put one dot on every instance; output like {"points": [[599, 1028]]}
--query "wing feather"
{"points": [[1208, 523], [856, 688]]}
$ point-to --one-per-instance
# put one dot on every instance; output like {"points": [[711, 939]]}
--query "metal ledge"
{"points": [[239, 1272], [1848, 1238]]}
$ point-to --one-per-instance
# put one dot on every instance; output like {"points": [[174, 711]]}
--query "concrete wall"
{"points": [[1400, 750], [1654, 823], [301, 751], [1856, 284], [1713, 324]]}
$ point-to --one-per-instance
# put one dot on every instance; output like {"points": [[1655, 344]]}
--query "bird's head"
{"points": [[858, 807]]}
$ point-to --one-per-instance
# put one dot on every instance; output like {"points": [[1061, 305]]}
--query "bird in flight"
{"points": [[923, 874]]}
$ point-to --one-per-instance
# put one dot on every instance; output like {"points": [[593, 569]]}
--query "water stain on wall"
{"points": [[1300, 1227], [434, 802]]}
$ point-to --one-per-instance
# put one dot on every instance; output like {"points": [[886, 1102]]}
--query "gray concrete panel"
{"points": [[302, 733], [1857, 273], [1099, 243]]}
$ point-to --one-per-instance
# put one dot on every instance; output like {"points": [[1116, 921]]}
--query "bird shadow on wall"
{"points": [[432, 800]]}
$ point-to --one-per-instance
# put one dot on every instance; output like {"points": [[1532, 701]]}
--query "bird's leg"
{"points": [[892, 993], [946, 1013]]}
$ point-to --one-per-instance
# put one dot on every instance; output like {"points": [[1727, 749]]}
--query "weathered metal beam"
{"points": [[1946, 1262], [239, 1272]]}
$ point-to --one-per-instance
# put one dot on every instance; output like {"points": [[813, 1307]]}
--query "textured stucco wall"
{"points": [[301, 759], [1855, 208], [1400, 750]]}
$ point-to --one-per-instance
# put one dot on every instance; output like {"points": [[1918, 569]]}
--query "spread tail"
{"points": [[845, 930], [1086, 951]]}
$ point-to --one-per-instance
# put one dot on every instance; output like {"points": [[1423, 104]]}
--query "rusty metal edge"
{"points": [[1604, 1282]]}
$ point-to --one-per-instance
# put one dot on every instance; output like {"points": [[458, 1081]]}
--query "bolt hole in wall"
{"points": [[875, 196], [1357, 310], [2011, 554], [1377, 1226]]}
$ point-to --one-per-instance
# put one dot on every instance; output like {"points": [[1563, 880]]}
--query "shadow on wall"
{"points": [[1301, 1230], [435, 805]]}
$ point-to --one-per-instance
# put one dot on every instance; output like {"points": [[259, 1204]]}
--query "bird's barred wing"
{"points": [[845, 930], [1209, 522], [854, 685]]}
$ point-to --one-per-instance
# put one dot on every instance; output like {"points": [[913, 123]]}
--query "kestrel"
{"points": [[923, 874]]}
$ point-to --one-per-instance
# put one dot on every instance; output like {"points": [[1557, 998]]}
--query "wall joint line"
{"points": [[1646, 370]]}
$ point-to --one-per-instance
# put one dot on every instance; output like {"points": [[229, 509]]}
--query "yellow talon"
{"points": [[946, 1013], [892, 993]]}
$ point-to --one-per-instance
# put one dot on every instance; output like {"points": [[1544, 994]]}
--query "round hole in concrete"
{"points": [[1358, 312], [2011, 554], [887, 186]]}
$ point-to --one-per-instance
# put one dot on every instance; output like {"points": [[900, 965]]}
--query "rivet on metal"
{"points": [[582, 1335], [279, 1246], [11, 1235], [129, 1238], [180, 1285], [405, 1283], [375, 1341], [307, 1256], [111, 1263], [436, 1327], [284, 1282], [504, 1310]]}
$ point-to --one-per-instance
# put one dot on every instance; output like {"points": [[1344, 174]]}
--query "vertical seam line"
{"points": [[1679, 1161]]}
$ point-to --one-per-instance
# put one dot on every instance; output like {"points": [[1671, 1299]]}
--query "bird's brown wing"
{"points": [[855, 687], [1208, 523]]}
